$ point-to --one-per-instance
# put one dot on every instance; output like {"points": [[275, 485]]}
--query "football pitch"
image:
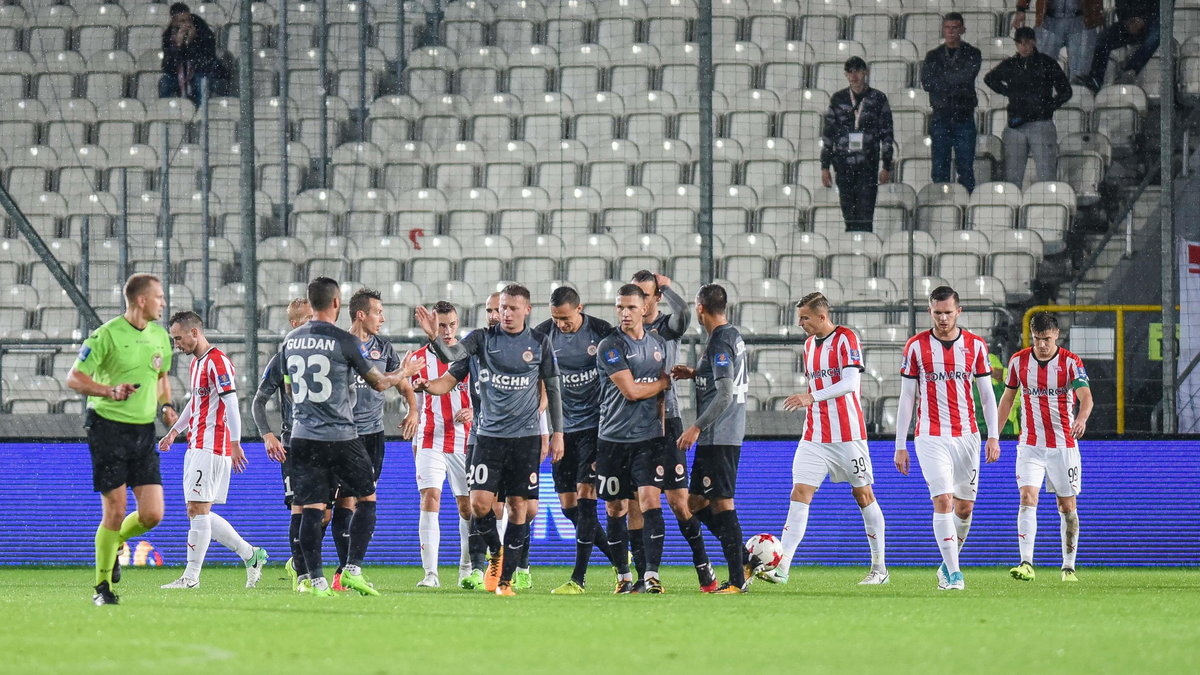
{"points": [[1115, 620]]}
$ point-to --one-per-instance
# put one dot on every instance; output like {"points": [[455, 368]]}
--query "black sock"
{"points": [[690, 529], [514, 543], [588, 518], [310, 541], [476, 547], [730, 534], [572, 513], [362, 528], [297, 552], [705, 516], [341, 533], [637, 545], [486, 526], [618, 543], [654, 532], [584, 531], [524, 563]]}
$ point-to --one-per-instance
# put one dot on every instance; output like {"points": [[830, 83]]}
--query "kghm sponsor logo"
{"points": [[947, 376], [1045, 391], [646, 379], [701, 382], [579, 379], [502, 381], [323, 344]]}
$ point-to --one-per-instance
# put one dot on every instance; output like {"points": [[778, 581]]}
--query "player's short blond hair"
{"points": [[298, 308], [138, 284]]}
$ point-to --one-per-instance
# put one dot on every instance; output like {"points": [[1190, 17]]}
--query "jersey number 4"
{"points": [[310, 378], [741, 383]]}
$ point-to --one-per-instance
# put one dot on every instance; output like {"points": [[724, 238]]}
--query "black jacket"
{"points": [[875, 123], [949, 77], [202, 52], [1146, 10], [1035, 87]]}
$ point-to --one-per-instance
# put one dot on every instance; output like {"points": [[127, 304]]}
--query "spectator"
{"points": [[858, 130], [189, 56], [1137, 22], [1035, 87], [1066, 22], [948, 74]]}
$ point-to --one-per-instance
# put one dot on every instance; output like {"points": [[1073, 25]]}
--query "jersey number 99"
{"points": [[310, 378]]}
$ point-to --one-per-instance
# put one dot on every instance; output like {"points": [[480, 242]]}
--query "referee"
{"points": [[122, 369]]}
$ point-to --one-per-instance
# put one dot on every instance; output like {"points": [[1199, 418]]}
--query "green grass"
{"points": [[1114, 621]]}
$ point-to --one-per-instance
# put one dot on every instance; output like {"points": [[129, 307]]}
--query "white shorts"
{"points": [[1061, 467], [845, 462], [435, 466], [206, 476], [950, 465]]}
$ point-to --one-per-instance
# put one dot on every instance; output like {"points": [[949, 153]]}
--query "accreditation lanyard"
{"points": [[855, 138], [857, 107]]}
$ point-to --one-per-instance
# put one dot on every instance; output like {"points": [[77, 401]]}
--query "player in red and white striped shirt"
{"points": [[440, 450], [835, 435], [1049, 379], [938, 367], [214, 449]]}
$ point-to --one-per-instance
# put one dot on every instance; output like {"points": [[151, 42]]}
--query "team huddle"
{"points": [[598, 400]]}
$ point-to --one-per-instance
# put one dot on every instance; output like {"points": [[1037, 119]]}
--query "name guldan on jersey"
{"points": [[578, 379], [947, 376], [323, 344]]}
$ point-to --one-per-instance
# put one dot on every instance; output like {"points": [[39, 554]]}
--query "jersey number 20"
{"points": [[310, 379]]}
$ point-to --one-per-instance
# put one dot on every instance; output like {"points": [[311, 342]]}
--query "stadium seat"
{"points": [[994, 206]]}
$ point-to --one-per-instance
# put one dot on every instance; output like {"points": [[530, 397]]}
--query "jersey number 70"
{"points": [[310, 379]]}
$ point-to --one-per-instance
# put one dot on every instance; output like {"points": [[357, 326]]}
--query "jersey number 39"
{"points": [[310, 378]]}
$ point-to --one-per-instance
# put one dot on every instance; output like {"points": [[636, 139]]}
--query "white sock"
{"points": [[1026, 531], [464, 533], [199, 536], [947, 539], [228, 537], [1069, 530], [961, 528], [793, 534], [431, 537], [502, 523], [873, 523]]}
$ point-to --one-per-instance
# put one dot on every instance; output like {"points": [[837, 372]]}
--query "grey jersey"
{"points": [[460, 370], [662, 328], [724, 356], [580, 379], [622, 420], [321, 361], [368, 404], [273, 380], [511, 368]]}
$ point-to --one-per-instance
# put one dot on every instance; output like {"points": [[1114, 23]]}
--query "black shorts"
{"points": [[374, 445], [663, 467], [318, 467], [122, 454], [614, 469], [714, 471], [506, 466], [285, 469], [578, 463]]}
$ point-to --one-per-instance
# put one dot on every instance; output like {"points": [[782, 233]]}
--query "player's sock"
{"points": [[108, 542], [961, 527], [476, 546], [572, 513], [297, 552], [705, 516], [793, 534], [637, 545], [874, 525], [487, 528], [502, 524], [514, 544], [464, 547], [585, 530], [311, 530], [523, 563], [199, 535], [362, 528], [730, 534], [132, 527], [228, 537], [655, 531], [341, 533], [1069, 530], [618, 543], [947, 539], [430, 534], [1026, 531], [692, 534]]}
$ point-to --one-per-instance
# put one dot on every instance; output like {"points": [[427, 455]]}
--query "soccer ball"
{"points": [[764, 552]]}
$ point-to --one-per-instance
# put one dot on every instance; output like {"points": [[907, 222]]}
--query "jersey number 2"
{"points": [[310, 378]]}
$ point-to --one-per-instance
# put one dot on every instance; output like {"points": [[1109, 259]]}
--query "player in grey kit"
{"points": [[721, 384], [633, 453], [321, 360], [514, 363]]}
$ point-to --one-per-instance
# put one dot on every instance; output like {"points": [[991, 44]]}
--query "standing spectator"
{"points": [[858, 130], [1035, 87], [189, 55], [1137, 23], [948, 74], [1066, 22]]}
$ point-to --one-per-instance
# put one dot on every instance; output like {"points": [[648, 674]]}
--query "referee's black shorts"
{"points": [[122, 453]]}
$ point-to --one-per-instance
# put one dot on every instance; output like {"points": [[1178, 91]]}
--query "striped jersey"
{"points": [[1047, 396], [840, 419], [944, 371], [211, 376], [437, 429]]}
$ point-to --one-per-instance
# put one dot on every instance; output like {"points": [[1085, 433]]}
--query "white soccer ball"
{"points": [[764, 552]]}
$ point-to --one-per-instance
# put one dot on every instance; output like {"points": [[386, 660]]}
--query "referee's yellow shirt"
{"points": [[117, 353]]}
